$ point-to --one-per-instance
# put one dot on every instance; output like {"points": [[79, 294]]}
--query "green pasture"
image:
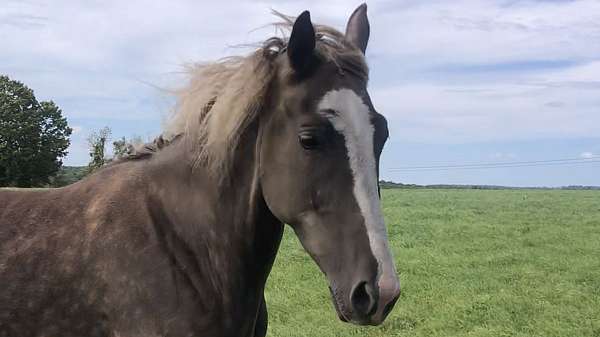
{"points": [[471, 263]]}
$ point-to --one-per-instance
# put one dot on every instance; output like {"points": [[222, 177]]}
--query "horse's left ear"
{"points": [[357, 29], [302, 42]]}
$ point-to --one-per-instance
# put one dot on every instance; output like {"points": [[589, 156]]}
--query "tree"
{"points": [[120, 148], [34, 136], [97, 142], [68, 175]]}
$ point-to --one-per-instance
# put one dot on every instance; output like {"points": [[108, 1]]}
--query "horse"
{"points": [[178, 239]]}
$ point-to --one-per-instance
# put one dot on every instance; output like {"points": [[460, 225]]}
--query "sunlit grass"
{"points": [[471, 262]]}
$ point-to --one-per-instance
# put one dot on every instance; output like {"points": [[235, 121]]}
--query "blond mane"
{"points": [[222, 98]]}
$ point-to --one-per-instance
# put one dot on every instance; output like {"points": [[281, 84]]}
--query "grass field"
{"points": [[471, 263]]}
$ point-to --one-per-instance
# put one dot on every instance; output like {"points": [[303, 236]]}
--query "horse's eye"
{"points": [[309, 141]]}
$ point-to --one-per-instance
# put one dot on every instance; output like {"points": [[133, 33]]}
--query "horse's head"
{"points": [[319, 159]]}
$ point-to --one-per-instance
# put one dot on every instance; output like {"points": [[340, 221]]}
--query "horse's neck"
{"points": [[227, 226]]}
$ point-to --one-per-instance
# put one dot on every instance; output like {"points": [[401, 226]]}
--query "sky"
{"points": [[460, 82]]}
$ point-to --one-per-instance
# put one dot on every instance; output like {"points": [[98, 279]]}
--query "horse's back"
{"points": [[90, 260], [23, 210], [38, 251], [53, 249]]}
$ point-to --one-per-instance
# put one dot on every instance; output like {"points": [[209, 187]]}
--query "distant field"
{"points": [[471, 262]]}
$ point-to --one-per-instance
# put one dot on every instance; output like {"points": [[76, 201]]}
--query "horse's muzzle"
{"points": [[367, 304]]}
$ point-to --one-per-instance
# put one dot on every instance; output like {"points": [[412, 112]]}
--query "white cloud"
{"points": [[503, 156], [587, 155], [442, 71], [112, 53], [467, 31], [474, 112], [76, 129]]}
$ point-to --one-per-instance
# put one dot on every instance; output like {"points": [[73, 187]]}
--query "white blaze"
{"points": [[353, 121]]}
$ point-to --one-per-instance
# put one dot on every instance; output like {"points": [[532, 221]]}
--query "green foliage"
{"points": [[97, 143], [68, 175], [34, 136], [120, 147], [97, 140], [471, 263]]}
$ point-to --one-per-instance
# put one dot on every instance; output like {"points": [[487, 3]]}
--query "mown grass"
{"points": [[471, 263]]}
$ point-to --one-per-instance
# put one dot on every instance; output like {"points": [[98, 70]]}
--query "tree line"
{"points": [[35, 136]]}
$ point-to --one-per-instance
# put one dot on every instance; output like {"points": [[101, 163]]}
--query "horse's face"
{"points": [[319, 170]]}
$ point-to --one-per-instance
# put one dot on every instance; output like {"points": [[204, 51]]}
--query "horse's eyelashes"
{"points": [[309, 141], [329, 112], [314, 137]]}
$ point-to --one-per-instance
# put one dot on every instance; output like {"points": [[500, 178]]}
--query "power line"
{"points": [[499, 163], [495, 167], [477, 166]]}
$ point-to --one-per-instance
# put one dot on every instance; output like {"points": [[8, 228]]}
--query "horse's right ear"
{"points": [[302, 42]]}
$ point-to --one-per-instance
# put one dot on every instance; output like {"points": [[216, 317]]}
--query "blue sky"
{"points": [[459, 81]]}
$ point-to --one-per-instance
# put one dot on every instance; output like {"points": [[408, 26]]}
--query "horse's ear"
{"points": [[302, 42], [357, 29]]}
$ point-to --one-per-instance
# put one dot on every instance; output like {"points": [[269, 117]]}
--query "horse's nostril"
{"points": [[390, 306], [363, 301]]}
